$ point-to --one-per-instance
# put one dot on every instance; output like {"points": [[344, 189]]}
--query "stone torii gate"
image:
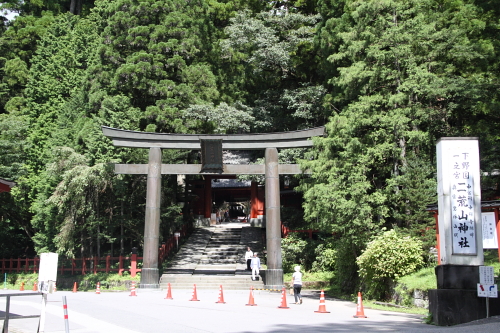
{"points": [[211, 146]]}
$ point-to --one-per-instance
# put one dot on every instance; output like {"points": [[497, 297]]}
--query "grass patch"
{"points": [[65, 282], [311, 276], [371, 305], [423, 279]]}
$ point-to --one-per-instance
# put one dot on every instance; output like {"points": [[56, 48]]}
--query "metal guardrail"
{"points": [[7, 309]]}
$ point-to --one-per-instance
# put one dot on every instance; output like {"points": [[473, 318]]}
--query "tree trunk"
{"points": [[122, 248], [72, 7], [98, 230], [79, 7]]}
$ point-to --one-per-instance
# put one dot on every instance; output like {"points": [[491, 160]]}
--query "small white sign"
{"points": [[47, 274], [487, 290], [490, 239], [486, 275], [481, 290], [177, 234]]}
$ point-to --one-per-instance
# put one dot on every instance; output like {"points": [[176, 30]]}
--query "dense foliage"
{"points": [[386, 77]]}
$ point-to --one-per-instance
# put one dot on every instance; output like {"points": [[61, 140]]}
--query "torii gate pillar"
{"points": [[150, 273], [274, 272]]}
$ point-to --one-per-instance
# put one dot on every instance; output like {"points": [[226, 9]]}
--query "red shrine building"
{"points": [[6, 185], [215, 198]]}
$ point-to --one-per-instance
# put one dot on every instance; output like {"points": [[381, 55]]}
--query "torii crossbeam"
{"points": [[154, 169]]}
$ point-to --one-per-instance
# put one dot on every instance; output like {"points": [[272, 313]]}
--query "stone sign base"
{"points": [[456, 301]]}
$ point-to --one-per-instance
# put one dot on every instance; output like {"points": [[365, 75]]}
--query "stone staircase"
{"points": [[214, 256]]}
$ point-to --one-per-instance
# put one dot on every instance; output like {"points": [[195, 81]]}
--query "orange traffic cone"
{"points": [[194, 296], [322, 306], [251, 301], [360, 312], [221, 296], [283, 299], [132, 289], [98, 288], [22, 287], [35, 286], [75, 287], [169, 292]]}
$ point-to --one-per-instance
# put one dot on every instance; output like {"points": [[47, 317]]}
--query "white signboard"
{"points": [[487, 290], [47, 274], [462, 203], [490, 239], [459, 201], [486, 275]]}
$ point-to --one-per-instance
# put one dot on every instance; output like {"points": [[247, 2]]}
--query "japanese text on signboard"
{"points": [[462, 204]]}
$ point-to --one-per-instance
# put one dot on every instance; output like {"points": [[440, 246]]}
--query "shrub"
{"points": [[387, 258], [297, 251], [325, 254]]}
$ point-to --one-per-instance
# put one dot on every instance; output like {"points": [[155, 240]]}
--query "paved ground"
{"points": [[150, 312]]}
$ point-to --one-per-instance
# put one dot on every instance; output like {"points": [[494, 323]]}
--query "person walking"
{"points": [[297, 285], [248, 257], [255, 264]]}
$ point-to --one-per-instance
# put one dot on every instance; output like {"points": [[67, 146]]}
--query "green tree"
{"points": [[405, 77], [269, 57]]}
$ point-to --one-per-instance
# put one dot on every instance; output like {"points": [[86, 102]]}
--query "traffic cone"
{"points": [[322, 306], [55, 289], [22, 287], [75, 287], [98, 288], [132, 289], [194, 296], [360, 312], [169, 292], [283, 299], [35, 286], [221, 296], [251, 301]]}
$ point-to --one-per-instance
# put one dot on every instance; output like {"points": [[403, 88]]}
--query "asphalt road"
{"points": [[150, 312]]}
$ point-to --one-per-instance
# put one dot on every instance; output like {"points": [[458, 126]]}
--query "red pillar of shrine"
{"points": [[208, 196], [436, 215], [253, 200]]}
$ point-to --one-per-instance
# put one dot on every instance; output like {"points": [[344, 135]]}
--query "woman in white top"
{"points": [[297, 285], [248, 257]]}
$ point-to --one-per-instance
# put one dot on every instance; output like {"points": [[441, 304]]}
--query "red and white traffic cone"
{"points": [[221, 296], [98, 288], [169, 292], [251, 301], [75, 287], [322, 306], [35, 286], [132, 289], [360, 311], [22, 287], [194, 296], [55, 289], [283, 299]]}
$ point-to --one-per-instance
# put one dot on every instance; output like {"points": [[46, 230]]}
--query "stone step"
{"points": [[221, 252], [255, 284], [195, 278], [217, 261], [220, 256]]}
